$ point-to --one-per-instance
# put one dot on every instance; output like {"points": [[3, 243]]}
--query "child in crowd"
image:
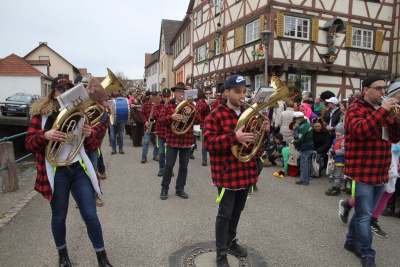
{"points": [[337, 152]]}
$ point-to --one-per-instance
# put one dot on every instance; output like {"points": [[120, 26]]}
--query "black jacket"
{"points": [[322, 141]]}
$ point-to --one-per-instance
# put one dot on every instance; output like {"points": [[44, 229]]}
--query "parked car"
{"points": [[18, 104]]}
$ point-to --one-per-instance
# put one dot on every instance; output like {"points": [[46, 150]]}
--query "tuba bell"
{"points": [[252, 120], [110, 84]]}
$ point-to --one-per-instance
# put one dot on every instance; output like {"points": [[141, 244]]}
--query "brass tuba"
{"points": [[184, 125], [252, 120], [110, 84], [67, 121]]}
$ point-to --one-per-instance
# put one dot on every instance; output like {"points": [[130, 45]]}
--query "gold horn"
{"points": [[252, 120], [188, 116], [67, 121]]}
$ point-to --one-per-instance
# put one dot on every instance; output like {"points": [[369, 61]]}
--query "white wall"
{"points": [[10, 85]]}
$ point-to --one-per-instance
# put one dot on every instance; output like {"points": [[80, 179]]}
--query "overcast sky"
{"points": [[89, 34]]}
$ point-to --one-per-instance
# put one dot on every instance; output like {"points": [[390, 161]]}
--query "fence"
{"points": [[8, 169]]}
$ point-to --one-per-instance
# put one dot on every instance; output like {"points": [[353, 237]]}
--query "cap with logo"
{"points": [[234, 81], [332, 100], [60, 81], [166, 91]]}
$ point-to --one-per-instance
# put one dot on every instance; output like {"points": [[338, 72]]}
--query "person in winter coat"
{"points": [[321, 138]]}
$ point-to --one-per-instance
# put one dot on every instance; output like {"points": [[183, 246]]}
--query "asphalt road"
{"points": [[286, 224]]}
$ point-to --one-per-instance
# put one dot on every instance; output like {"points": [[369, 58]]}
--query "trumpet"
{"points": [[394, 110]]}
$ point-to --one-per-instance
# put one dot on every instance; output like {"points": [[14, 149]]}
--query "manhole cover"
{"points": [[203, 255]]}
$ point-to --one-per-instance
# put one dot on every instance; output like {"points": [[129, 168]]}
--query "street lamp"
{"points": [[266, 38]]}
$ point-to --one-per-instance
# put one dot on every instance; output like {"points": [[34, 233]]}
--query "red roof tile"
{"points": [[15, 65]]}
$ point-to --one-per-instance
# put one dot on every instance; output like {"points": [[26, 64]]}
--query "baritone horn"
{"points": [[252, 120], [184, 125], [393, 111]]}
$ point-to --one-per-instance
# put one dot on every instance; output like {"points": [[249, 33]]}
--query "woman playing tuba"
{"points": [[77, 177]]}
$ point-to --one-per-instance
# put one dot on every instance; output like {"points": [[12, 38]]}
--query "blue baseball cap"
{"points": [[234, 81]]}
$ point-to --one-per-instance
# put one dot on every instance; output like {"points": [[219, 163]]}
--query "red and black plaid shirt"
{"points": [[219, 137], [367, 155], [161, 127], [36, 143], [172, 139], [203, 109], [145, 114], [216, 102]]}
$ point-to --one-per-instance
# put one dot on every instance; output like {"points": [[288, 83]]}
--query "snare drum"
{"points": [[119, 111]]}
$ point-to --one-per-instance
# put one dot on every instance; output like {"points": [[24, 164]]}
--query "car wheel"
{"points": [[4, 114]]}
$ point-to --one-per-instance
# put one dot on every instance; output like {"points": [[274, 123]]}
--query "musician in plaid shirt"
{"points": [[176, 143], [161, 129], [369, 132], [145, 115], [232, 178], [78, 178]]}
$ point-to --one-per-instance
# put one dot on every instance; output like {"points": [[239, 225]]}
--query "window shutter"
{"points": [[315, 30], [239, 36], [349, 35], [262, 24], [211, 45], [280, 19], [378, 41]]}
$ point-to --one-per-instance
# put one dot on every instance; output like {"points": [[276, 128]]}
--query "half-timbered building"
{"points": [[330, 44]]}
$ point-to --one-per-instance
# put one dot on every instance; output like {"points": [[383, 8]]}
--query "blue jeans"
{"points": [[171, 155], [146, 142], [359, 234], [161, 152], [77, 182], [117, 129], [94, 157], [305, 165]]}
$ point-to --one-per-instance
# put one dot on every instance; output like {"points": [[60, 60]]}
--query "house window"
{"points": [[217, 7], [217, 46], [362, 38], [297, 27], [253, 31], [44, 58], [201, 53], [258, 81], [305, 81], [199, 18]]}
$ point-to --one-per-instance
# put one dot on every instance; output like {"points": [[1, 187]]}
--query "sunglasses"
{"points": [[207, 93], [62, 89]]}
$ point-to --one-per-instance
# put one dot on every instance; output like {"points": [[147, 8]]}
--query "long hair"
{"points": [[46, 105]]}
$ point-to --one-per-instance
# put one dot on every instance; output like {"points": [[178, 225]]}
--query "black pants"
{"points": [[171, 156], [230, 208]]}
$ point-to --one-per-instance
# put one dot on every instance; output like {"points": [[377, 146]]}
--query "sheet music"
{"points": [[73, 97], [190, 94], [263, 94]]}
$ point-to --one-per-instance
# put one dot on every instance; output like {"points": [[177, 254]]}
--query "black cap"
{"points": [[326, 95], [370, 79], [59, 81], [147, 93], [154, 93], [166, 91]]}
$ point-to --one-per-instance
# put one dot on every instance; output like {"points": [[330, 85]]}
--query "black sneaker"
{"points": [[343, 211], [376, 229], [164, 194], [301, 183], [353, 248], [181, 194], [334, 191], [366, 263], [160, 173], [235, 249], [222, 260]]}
